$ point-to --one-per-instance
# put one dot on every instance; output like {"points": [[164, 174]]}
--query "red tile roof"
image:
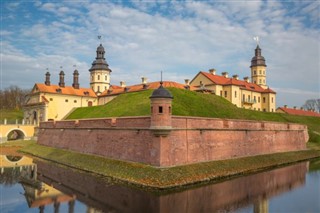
{"points": [[221, 80], [298, 112], [116, 90], [68, 90]]}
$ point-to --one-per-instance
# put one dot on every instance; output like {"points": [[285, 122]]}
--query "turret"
{"points": [[161, 111], [61, 79], [47, 81], [75, 83]]}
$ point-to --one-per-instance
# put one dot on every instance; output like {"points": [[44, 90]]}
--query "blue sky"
{"points": [[180, 38]]}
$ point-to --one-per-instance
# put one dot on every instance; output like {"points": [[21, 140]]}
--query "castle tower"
{"points": [[258, 69], [100, 72], [161, 109]]}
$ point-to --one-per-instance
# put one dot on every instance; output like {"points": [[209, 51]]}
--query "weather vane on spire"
{"points": [[161, 79], [256, 38], [99, 37]]}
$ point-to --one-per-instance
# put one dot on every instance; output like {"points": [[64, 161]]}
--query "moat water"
{"points": [[43, 187]]}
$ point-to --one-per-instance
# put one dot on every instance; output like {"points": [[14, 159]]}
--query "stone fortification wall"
{"points": [[190, 140]]}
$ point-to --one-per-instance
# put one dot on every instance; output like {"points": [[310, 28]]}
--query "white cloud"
{"points": [[179, 38]]}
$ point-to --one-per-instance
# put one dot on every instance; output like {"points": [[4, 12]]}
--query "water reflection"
{"points": [[52, 185]]}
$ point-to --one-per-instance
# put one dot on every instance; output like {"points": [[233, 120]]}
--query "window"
{"points": [[272, 100], [66, 100], [98, 88], [169, 109], [151, 109], [259, 101], [264, 110], [105, 88], [264, 72], [225, 94], [243, 97], [255, 82], [51, 99], [75, 101], [248, 97], [98, 77], [235, 94], [264, 81], [259, 81], [271, 110], [254, 99], [264, 100], [160, 109], [255, 72], [106, 77], [260, 72], [220, 92], [92, 78]]}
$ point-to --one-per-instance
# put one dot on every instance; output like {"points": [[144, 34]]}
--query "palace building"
{"points": [[254, 94], [55, 102]]}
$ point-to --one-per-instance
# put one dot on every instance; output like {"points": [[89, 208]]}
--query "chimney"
{"points": [[294, 107], [225, 74], [301, 108], [61, 81], [246, 79], [285, 106], [122, 84], [76, 79], [187, 82], [212, 71], [47, 82], [235, 77], [144, 80]]}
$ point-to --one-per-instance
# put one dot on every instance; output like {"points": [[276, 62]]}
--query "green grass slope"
{"points": [[188, 103]]}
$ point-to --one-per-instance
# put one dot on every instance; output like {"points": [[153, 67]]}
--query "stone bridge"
{"points": [[17, 131]]}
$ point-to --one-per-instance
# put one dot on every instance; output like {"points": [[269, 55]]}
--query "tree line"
{"points": [[13, 97]]}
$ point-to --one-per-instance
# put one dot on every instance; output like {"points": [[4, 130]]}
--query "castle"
{"points": [[54, 102]]}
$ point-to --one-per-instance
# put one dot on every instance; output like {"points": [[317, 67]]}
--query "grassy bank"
{"points": [[188, 103], [142, 175]]}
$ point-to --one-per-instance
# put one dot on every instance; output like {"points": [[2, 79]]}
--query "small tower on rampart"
{"points": [[161, 111]]}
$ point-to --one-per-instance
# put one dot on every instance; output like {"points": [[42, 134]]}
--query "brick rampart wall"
{"points": [[191, 139]]}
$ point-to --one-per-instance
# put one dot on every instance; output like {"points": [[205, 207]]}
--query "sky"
{"points": [[180, 38]]}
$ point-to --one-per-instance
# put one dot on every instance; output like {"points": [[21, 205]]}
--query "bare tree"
{"points": [[13, 97], [312, 104]]}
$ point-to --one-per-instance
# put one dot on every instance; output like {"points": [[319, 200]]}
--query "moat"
{"points": [[37, 186]]}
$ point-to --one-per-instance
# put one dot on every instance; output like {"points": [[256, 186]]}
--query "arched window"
{"points": [[98, 77]]}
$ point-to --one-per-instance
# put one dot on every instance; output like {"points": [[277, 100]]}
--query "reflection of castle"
{"points": [[226, 196], [21, 169], [48, 101]]}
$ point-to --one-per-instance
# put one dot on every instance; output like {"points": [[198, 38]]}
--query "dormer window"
{"points": [[58, 90]]}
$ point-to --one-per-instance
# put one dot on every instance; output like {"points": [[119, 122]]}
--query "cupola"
{"points": [[258, 59]]}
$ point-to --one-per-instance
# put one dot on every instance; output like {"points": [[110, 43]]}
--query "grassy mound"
{"points": [[188, 103]]}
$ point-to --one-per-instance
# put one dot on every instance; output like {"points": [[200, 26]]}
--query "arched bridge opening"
{"points": [[15, 134]]}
